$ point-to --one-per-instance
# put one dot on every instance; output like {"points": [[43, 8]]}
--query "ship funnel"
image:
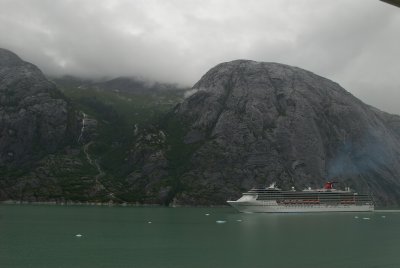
{"points": [[329, 185]]}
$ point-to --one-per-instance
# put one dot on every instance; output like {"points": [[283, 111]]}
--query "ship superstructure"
{"points": [[326, 199]]}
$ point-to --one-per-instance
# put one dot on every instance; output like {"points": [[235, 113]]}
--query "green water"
{"points": [[45, 236]]}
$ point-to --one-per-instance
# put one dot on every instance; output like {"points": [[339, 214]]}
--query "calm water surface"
{"points": [[45, 236]]}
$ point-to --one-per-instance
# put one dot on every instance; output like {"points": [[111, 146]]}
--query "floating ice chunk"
{"points": [[78, 235], [355, 217], [220, 221], [149, 222], [383, 216], [366, 218], [239, 220], [207, 214]]}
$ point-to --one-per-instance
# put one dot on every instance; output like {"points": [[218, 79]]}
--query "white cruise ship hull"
{"points": [[257, 206]]}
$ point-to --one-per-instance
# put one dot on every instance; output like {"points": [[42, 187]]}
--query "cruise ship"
{"points": [[326, 199]]}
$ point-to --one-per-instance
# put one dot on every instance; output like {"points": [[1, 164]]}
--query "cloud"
{"points": [[352, 42]]}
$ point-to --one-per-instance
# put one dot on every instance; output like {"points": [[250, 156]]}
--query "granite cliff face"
{"points": [[255, 123], [247, 124], [35, 119]]}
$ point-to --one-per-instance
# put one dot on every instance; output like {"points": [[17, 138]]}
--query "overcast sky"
{"points": [[353, 42]]}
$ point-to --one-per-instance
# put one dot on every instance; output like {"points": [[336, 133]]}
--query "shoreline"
{"points": [[105, 204], [112, 204]]}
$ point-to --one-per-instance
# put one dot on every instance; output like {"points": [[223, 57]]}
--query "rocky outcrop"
{"points": [[256, 123], [35, 119], [148, 183], [56, 178]]}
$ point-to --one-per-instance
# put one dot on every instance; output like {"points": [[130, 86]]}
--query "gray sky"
{"points": [[353, 42]]}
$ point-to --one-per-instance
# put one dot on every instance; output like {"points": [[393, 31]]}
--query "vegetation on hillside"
{"points": [[120, 116], [97, 168]]}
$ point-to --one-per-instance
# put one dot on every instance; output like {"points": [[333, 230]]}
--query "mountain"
{"points": [[35, 118], [253, 123], [38, 131], [247, 124], [136, 86], [69, 140], [123, 85]]}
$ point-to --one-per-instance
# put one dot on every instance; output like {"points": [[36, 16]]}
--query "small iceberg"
{"points": [[383, 216], [78, 235], [207, 214], [366, 218], [149, 222], [355, 217], [239, 220], [220, 222]]}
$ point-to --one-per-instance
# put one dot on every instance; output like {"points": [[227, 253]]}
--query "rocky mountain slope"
{"points": [[263, 122], [70, 142], [35, 119], [37, 127], [253, 123], [247, 124]]}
